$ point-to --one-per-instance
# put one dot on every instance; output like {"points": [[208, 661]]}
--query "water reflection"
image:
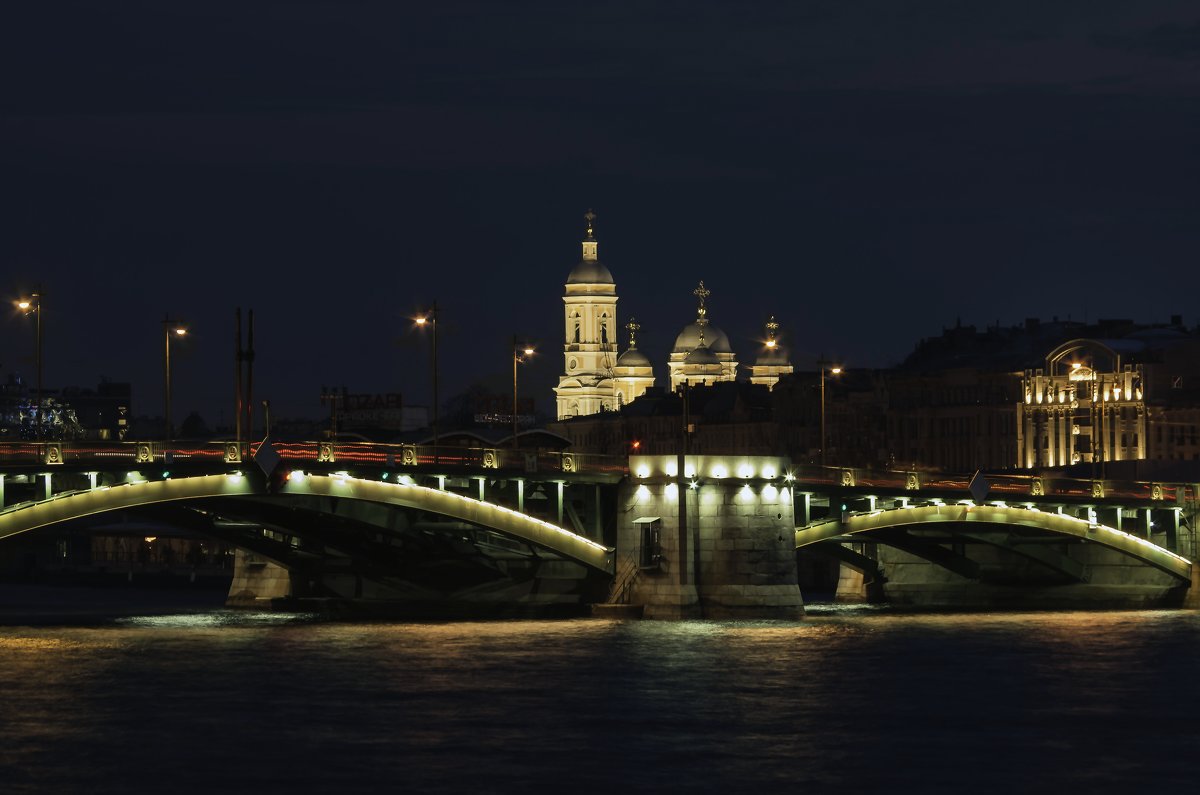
{"points": [[853, 699]]}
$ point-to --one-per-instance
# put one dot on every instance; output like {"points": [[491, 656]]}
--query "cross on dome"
{"points": [[701, 292], [633, 327], [590, 217], [772, 327]]}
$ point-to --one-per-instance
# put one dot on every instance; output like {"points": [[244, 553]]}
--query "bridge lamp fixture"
{"points": [[643, 471], [825, 366], [430, 319], [296, 475], [745, 471], [693, 485], [32, 305], [171, 328], [521, 354], [789, 478]]}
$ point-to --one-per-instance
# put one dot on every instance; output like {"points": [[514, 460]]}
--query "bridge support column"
{"points": [[805, 509], [1192, 600], [559, 500], [737, 558], [482, 481], [256, 582], [92, 478], [45, 490], [1, 491], [520, 496]]}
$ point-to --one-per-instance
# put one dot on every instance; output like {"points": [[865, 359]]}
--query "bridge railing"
{"points": [[132, 454], [1001, 486]]}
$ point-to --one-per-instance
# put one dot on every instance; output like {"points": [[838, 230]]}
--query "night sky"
{"points": [[869, 172]]}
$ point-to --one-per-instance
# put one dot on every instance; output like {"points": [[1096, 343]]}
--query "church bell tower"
{"points": [[590, 335]]}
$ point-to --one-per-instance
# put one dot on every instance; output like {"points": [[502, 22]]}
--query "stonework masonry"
{"points": [[736, 558]]}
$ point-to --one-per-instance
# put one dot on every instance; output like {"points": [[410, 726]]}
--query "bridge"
{"points": [[422, 524], [487, 525], [935, 539]]}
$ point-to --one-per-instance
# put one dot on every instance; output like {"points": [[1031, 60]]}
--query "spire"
{"points": [[772, 327], [589, 240], [701, 292], [633, 327]]}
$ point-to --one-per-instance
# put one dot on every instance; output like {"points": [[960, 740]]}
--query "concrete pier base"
{"points": [[257, 582], [733, 555], [1192, 600]]}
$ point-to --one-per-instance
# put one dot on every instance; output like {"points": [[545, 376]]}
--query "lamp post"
{"points": [[171, 328], [520, 353], [824, 366], [430, 319], [33, 306]]}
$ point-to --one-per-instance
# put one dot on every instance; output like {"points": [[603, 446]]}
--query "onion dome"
{"points": [[695, 333], [689, 338], [701, 356], [633, 357], [590, 270], [773, 354]]}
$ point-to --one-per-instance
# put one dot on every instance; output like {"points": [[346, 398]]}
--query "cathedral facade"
{"points": [[595, 378]]}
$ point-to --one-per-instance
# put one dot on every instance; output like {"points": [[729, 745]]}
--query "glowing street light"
{"points": [[171, 328], [825, 367], [521, 353], [430, 319], [32, 305]]}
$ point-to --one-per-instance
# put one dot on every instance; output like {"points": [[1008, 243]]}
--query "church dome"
{"points": [[590, 271], [702, 356], [633, 358], [689, 338]]}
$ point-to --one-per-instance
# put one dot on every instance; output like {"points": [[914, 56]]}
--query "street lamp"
{"points": [[32, 305], [824, 366], [171, 328], [430, 319], [521, 352]]}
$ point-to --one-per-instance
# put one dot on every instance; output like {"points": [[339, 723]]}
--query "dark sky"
{"points": [[869, 172]]}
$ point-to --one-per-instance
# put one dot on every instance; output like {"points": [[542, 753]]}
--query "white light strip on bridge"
{"points": [[470, 501], [1091, 526], [1137, 539]]}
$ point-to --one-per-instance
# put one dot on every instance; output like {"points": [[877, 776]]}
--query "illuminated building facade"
{"points": [[1085, 405]]}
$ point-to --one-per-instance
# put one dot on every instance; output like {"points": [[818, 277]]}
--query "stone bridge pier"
{"points": [[709, 537]]}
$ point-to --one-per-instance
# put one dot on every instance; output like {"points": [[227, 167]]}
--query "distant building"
{"points": [[1031, 396]]}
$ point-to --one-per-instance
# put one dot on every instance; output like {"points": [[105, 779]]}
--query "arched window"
{"points": [[604, 328], [575, 325]]}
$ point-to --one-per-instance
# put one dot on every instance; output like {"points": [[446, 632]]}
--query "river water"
{"points": [[849, 700]]}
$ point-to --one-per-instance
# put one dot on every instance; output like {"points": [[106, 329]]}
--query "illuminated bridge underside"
{"points": [[1060, 524], [76, 505]]}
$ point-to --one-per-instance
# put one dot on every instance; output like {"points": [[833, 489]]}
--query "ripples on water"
{"points": [[846, 701]]}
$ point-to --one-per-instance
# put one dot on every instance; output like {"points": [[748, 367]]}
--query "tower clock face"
{"points": [[572, 364]]}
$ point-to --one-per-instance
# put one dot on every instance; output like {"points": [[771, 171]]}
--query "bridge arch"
{"points": [[1060, 524], [75, 505]]}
